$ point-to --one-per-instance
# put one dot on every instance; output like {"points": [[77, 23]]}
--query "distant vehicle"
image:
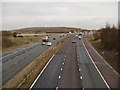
{"points": [[80, 34], [54, 38], [47, 36], [43, 43], [79, 37], [20, 36], [74, 31], [60, 35], [49, 43], [76, 35], [70, 32], [73, 41], [45, 39]]}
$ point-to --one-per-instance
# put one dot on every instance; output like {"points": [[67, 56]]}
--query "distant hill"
{"points": [[47, 30]]}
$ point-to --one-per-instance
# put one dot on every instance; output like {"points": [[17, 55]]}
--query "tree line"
{"points": [[109, 37]]}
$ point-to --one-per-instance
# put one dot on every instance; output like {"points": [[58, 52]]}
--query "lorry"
{"points": [[45, 39]]}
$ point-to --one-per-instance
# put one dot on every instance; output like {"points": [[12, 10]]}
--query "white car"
{"points": [[43, 43], [49, 43], [80, 37]]}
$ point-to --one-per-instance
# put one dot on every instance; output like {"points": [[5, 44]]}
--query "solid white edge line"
{"points": [[96, 66], [104, 60], [43, 70]]}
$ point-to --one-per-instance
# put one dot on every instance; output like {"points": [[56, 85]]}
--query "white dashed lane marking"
{"points": [[56, 88], [80, 77], [59, 77]]}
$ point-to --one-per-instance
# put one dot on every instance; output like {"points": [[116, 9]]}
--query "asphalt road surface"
{"points": [[110, 75], [70, 77], [50, 77], [71, 67], [14, 61], [90, 76]]}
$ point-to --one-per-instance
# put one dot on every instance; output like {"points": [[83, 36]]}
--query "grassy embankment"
{"points": [[25, 78], [107, 49]]}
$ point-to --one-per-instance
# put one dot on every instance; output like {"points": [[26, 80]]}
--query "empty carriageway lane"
{"points": [[91, 78], [14, 62]]}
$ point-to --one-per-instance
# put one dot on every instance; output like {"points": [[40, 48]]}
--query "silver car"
{"points": [[43, 43], [49, 43], [73, 41]]}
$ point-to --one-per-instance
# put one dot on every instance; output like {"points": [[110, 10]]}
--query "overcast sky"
{"points": [[89, 15]]}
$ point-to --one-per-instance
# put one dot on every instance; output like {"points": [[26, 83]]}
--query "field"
{"points": [[36, 30], [18, 42], [111, 56]]}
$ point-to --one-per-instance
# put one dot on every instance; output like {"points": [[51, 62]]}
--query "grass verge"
{"points": [[26, 77], [18, 42], [111, 56]]}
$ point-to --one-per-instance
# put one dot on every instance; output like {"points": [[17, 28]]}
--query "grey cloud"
{"points": [[81, 14]]}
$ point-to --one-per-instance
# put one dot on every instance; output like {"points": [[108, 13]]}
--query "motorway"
{"points": [[90, 76], [14, 61], [70, 67]]}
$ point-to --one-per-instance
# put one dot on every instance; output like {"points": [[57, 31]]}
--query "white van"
{"points": [[79, 36]]}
